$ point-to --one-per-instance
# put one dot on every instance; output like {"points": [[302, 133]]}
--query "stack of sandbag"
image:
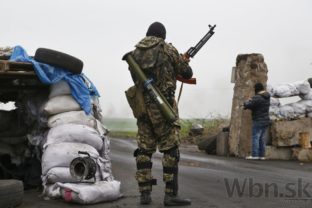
{"points": [[300, 109], [71, 131], [289, 90]]}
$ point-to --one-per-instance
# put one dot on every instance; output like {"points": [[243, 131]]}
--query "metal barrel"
{"points": [[161, 101]]}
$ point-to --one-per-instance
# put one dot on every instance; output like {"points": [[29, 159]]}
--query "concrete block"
{"points": [[275, 153], [223, 144], [286, 133], [303, 155]]}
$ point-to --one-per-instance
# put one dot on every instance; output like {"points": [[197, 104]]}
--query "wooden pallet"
{"points": [[16, 68]]}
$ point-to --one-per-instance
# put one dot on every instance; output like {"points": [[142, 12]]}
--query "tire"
{"points": [[59, 59], [11, 193], [207, 142]]}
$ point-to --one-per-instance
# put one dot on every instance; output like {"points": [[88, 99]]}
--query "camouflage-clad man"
{"points": [[161, 63]]}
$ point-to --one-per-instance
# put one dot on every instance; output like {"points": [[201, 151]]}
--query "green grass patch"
{"points": [[127, 128]]}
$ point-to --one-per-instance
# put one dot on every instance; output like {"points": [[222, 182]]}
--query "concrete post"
{"points": [[250, 69]]}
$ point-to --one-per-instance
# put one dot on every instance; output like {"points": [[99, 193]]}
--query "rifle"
{"points": [[193, 51]]}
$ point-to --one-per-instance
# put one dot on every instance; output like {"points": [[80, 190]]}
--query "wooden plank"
{"points": [[17, 73], [15, 66]]}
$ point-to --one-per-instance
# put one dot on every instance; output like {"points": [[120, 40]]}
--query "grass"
{"points": [[121, 127], [126, 128], [211, 124]]}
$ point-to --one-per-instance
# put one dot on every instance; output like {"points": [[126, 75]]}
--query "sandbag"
{"points": [[73, 117], [307, 96], [74, 133], [287, 112], [302, 86], [61, 104], [274, 102], [61, 155], [59, 88], [101, 191], [302, 107], [274, 112], [52, 191], [286, 90], [299, 108], [62, 174]]}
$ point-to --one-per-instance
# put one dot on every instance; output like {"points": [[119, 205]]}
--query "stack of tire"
{"points": [[73, 131]]}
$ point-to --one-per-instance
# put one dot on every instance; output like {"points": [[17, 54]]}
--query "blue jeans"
{"points": [[258, 143]]}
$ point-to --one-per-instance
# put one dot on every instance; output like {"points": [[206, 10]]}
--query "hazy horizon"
{"points": [[100, 32]]}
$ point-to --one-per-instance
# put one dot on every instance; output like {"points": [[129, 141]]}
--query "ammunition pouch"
{"points": [[136, 101]]}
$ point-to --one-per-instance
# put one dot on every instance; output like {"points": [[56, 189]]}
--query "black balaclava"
{"points": [[258, 87], [157, 29]]}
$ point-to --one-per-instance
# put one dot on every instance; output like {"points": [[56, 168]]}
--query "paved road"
{"points": [[209, 181]]}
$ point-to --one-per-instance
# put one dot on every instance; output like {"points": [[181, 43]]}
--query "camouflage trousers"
{"points": [[155, 132]]}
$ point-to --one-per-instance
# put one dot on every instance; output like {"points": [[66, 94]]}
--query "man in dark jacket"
{"points": [[259, 105]]}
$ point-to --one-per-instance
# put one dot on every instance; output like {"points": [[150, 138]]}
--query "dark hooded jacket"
{"points": [[259, 105]]}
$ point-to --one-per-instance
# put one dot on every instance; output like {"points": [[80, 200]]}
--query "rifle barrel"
{"points": [[193, 50]]}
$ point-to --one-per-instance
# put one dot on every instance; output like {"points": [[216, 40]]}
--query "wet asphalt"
{"points": [[209, 181]]}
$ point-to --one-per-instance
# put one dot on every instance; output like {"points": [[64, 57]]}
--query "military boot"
{"points": [[171, 195], [174, 200], [145, 197]]}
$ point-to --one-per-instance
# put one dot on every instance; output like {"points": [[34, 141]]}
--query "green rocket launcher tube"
{"points": [[156, 95]]}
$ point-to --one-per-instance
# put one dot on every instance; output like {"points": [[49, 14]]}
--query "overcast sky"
{"points": [[100, 31]]}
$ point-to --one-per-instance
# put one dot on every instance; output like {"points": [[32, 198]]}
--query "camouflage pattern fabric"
{"points": [[161, 62]]}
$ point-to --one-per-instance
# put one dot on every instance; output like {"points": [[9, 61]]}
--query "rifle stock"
{"points": [[187, 81]]}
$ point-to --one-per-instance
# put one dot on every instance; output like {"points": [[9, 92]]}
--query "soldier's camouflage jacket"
{"points": [[161, 62]]}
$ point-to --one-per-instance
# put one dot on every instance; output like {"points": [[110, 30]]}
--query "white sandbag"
{"points": [[52, 191], [288, 90], [101, 191], [310, 115], [287, 112], [73, 117], [61, 155], [299, 108], [74, 133], [274, 102], [61, 104], [302, 86], [59, 88], [285, 90], [274, 112], [62, 174], [307, 96], [307, 105]]}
